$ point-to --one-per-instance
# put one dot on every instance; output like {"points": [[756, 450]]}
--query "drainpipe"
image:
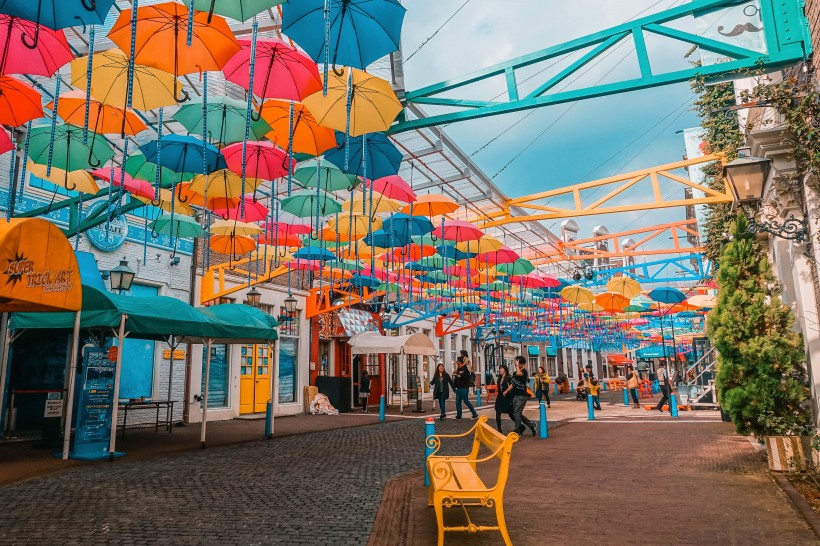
{"points": [[192, 302]]}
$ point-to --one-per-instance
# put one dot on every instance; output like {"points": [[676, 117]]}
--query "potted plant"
{"points": [[761, 380]]}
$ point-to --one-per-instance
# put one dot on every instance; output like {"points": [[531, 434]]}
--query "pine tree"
{"points": [[761, 380]]}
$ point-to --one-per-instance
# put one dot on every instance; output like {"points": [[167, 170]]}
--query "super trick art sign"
{"points": [[22, 269]]}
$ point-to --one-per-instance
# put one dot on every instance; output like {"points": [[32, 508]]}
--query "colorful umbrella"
{"points": [[132, 185], [79, 181], [303, 204], [457, 230], [667, 295], [308, 136], [19, 102], [383, 158], [331, 177], [577, 295], [222, 183], [626, 286], [280, 71], [67, 150], [184, 154], [227, 119], [241, 10], [231, 245], [520, 266], [164, 200], [139, 168], [612, 302], [263, 160], [178, 226], [151, 88], [380, 203], [355, 226], [432, 205], [393, 187], [355, 103], [702, 301], [360, 31], [404, 225], [58, 14], [228, 227], [249, 211], [163, 29], [102, 118], [50, 53]]}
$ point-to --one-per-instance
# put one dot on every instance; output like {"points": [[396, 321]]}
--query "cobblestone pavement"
{"points": [[319, 488]]}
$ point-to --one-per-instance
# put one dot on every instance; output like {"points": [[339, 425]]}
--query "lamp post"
{"points": [[121, 277], [290, 304], [747, 177], [254, 297]]}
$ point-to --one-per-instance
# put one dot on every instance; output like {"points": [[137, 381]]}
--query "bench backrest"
{"points": [[496, 443]]}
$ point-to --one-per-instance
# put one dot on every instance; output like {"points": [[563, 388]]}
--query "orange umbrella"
{"points": [[612, 302], [308, 136], [232, 245], [163, 28], [19, 102], [433, 204], [102, 119]]}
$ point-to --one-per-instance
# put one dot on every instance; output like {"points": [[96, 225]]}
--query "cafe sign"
{"points": [[38, 268]]}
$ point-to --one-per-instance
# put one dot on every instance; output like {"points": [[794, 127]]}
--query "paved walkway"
{"points": [[326, 486]]}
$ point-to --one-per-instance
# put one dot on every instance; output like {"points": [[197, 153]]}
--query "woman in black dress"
{"points": [[503, 403], [441, 387]]}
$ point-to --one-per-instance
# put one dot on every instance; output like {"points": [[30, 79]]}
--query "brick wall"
{"points": [[813, 15]]}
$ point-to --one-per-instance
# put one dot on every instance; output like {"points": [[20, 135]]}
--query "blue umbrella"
{"points": [[57, 14], [405, 225], [385, 239], [383, 158], [667, 294], [314, 254], [184, 154], [453, 253], [360, 32], [364, 281]]}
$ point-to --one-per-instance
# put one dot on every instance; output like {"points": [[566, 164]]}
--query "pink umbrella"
{"points": [[280, 72], [5, 142], [503, 255], [254, 211], [458, 230], [528, 281], [394, 187], [263, 160], [132, 185], [50, 53], [548, 280], [287, 229], [305, 265]]}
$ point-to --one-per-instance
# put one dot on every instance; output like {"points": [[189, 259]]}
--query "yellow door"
{"points": [[246, 380], [262, 377]]}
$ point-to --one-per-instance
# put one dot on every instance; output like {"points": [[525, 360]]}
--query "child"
{"points": [[594, 389]]}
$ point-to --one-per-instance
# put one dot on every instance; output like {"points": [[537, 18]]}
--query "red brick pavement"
{"points": [[620, 483]]}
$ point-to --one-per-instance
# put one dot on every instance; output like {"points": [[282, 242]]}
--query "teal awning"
{"points": [[533, 350], [551, 351], [239, 323], [655, 351]]}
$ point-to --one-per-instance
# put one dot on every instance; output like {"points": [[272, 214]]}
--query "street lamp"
{"points": [[121, 277], [747, 177], [290, 304], [254, 297]]}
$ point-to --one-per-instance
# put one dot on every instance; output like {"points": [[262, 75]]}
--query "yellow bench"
{"points": [[455, 482]]}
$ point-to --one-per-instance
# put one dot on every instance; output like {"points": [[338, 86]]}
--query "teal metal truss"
{"points": [[787, 40], [690, 268]]}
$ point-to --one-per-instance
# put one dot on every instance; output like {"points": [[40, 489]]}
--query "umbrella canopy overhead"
{"points": [[49, 53]]}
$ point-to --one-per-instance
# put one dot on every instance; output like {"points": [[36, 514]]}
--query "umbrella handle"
{"points": [[337, 71], [93, 161], [179, 195], [154, 232], [89, 5], [256, 115], [155, 202], [24, 37], [185, 97], [312, 238]]}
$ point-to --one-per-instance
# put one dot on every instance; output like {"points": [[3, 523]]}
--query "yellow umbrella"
{"points": [[380, 203], [625, 286], [373, 103], [703, 301], [164, 202], [232, 245], [360, 224], [80, 181], [234, 227], [577, 295], [487, 243], [591, 307], [364, 251], [222, 183], [152, 88]]}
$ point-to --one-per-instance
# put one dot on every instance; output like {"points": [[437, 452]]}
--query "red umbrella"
{"points": [[394, 187], [281, 71], [287, 229], [272, 238], [528, 281], [50, 53], [458, 230], [5, 142], [503, 255], [263, 160], [254, 211], [132, 185], [19, 102], [304, 265], [411, 252]]}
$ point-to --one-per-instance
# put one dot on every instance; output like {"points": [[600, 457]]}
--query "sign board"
{"points": [[108, 236], [739, 25], [179, 354], [95, 407], [54, 405]]}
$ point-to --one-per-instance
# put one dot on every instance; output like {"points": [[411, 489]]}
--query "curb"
{"points": [[799, 502]]}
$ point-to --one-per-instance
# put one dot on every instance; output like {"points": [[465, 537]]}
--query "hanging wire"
{"points": [[205, 220], [190, 36], [89, 73], [327, 46], [158, 170], [347, 121], [290, 149], [54, 124], [24, 166], [254, 35], [12, 182]]}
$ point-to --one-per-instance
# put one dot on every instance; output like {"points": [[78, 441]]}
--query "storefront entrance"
{"points": [[254, 382]]}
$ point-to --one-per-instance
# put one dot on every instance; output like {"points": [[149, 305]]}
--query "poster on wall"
{"points": [[96, 405]]}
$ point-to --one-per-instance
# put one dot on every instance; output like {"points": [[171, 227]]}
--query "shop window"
{"points": [[219, 379], [226, 300], [373, 365], [288, 323], [288, 359]]}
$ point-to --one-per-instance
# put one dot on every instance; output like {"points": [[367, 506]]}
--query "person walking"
{"points": [[469, 363], [632, 383], [663, 384], [364, 389], [518, 390], [461, 380], [503, 402], [542, 385], [595, 393], [441, 387]]}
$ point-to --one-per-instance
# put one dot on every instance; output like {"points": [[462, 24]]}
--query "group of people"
{"points": [[461, 381]]}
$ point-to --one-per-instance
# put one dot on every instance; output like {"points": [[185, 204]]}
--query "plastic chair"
{"points": [[645, 390]]}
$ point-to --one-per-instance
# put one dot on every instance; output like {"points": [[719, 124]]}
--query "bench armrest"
{"points": [[434, 440]]}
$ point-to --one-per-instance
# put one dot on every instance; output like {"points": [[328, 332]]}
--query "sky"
{"points": [[581, 141]]}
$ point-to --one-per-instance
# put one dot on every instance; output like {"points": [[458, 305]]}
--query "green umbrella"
{"points": [[240, 10], [389, 287], [303, 204], [436, 261], [349, 265], [497, 285], [441, 292], [184, 226], [331, 177], [518, 267], [137, 167], [68, 151], [226, 120], [634, 309]]}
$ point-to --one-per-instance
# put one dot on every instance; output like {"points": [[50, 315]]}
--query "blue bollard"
{"points": [[429, 430], [626, 397], [381, 408], [605, 385], [556, 388], [571, 385], [542, 421], [269, 420], [673, 405], [478, 397], [590, 409]]}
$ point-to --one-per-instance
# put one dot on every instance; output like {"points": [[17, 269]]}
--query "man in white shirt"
{"points": [[663, 383]]}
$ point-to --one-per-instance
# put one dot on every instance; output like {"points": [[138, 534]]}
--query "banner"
{"points": [[96, 405], [739, 25], [696, 147]]}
